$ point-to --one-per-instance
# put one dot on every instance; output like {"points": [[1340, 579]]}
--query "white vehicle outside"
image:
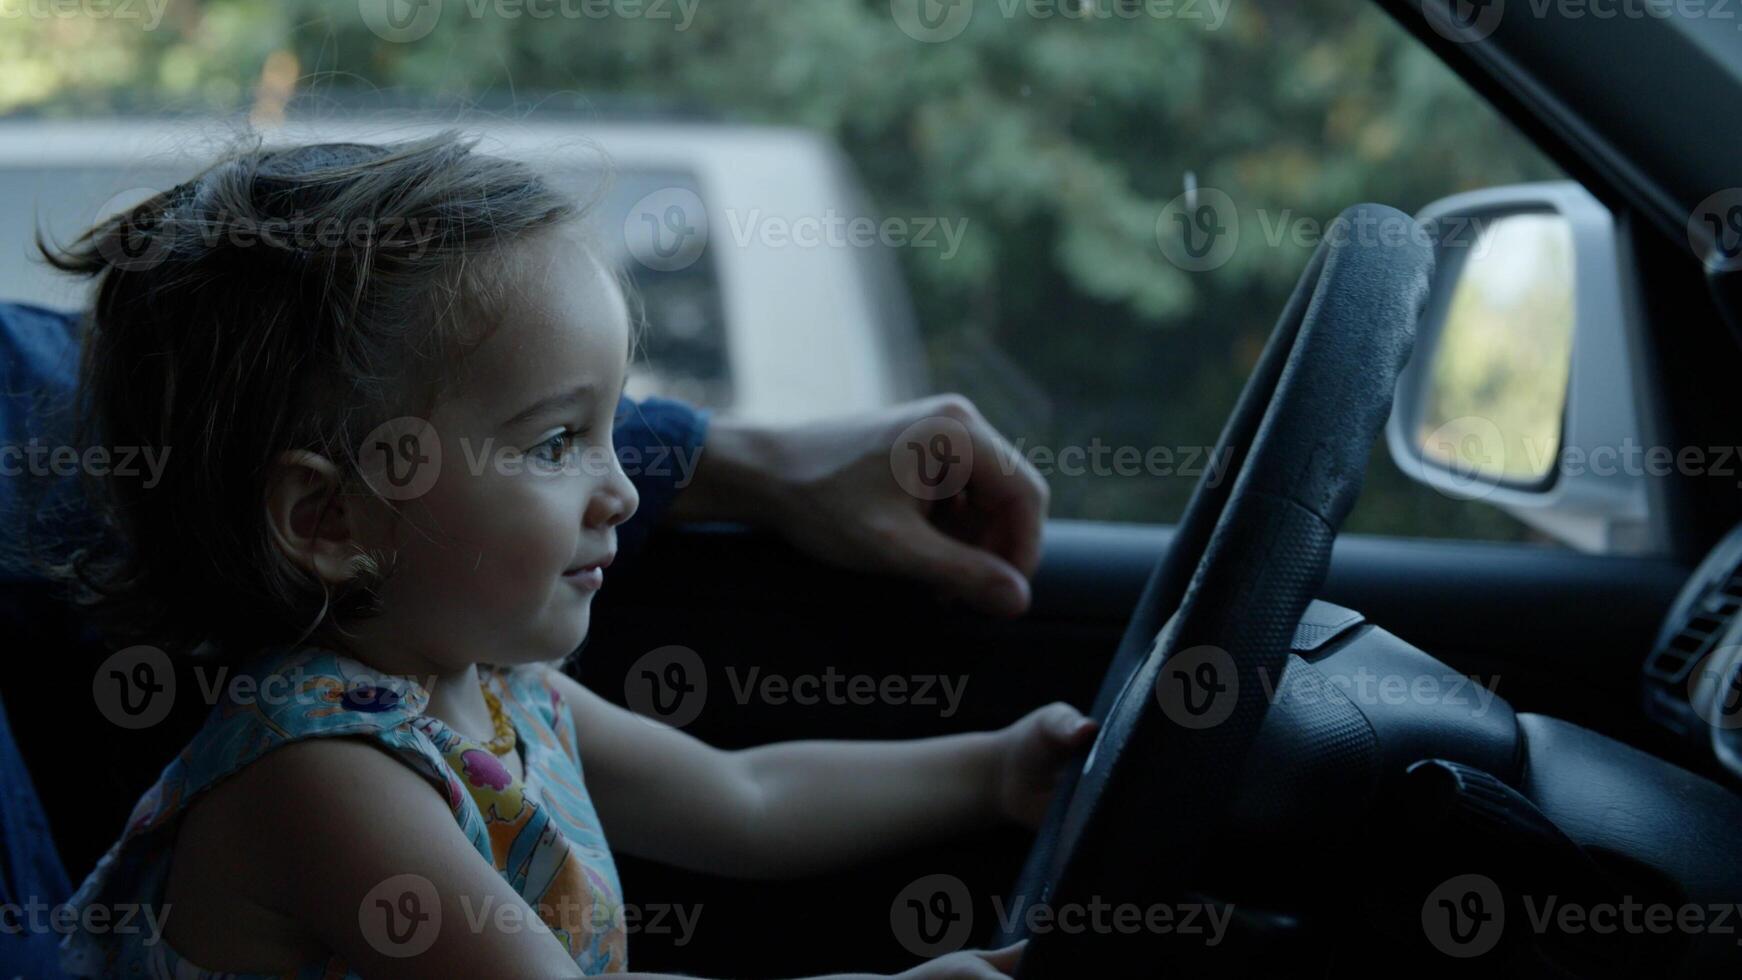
{"points": [[756, 302]]}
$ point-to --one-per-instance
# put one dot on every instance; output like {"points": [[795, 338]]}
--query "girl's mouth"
{"points": [[589, 577]]}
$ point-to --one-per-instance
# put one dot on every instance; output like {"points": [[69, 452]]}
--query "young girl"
{"points": [[386, 378]]}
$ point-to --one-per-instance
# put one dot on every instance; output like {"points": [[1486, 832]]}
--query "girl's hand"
{"points": [[969, 964], [1034, 753]]}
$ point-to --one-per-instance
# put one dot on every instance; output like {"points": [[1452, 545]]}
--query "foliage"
{"points": [[1060, 138]]}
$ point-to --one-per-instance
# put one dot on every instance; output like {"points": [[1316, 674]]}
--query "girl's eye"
{"points": [[555, 450]]}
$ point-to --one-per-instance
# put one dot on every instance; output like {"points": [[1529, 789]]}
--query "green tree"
{"points": [[1060, 137]]}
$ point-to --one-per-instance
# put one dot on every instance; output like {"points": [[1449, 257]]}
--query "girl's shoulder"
{"points": [[276, 698], [292, 719]]}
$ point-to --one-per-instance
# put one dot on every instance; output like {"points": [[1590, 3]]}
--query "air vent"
{"points": [[1698, 623], [1702, 629]]}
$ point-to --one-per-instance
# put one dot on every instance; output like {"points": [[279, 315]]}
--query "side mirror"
{"points": [[1521, 390]]}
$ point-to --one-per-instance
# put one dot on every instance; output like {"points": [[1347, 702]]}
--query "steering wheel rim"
{"points": [[1249, 554]]}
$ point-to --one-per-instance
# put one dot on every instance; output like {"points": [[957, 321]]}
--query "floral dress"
{"points": [[540, 833]]}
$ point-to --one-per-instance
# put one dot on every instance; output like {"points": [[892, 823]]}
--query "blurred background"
{"points": [[1020, 165]]}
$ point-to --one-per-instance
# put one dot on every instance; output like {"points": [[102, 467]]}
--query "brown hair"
{"points": [[288, 298]]}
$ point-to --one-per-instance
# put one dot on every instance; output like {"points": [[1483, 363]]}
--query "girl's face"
{"points": [[500, 559]]}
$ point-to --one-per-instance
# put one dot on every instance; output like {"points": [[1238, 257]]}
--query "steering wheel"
{"points": [[1186, 695]]}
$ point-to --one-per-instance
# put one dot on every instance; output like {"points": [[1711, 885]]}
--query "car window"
{"points": [[682, 341], [1094, 210]]}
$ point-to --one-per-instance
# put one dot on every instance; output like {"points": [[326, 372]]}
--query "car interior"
{"points": [[1601, 766]]}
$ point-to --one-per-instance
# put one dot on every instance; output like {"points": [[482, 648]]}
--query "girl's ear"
{"points": [[311, 521]]}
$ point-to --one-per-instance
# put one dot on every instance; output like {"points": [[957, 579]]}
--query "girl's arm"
{"points": [[364, 855], [797, 808]]}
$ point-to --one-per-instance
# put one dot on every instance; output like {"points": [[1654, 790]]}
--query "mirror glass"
{"points": [[1497, 384]]}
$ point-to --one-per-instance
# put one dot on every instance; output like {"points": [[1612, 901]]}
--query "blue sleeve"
{"points": [[39, 365], [659, 443], [31, 871]]}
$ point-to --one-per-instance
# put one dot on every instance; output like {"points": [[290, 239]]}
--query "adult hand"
{"points": [[927, 489]]}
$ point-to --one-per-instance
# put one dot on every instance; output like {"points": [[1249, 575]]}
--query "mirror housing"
{"points": [[1588, 489]]}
